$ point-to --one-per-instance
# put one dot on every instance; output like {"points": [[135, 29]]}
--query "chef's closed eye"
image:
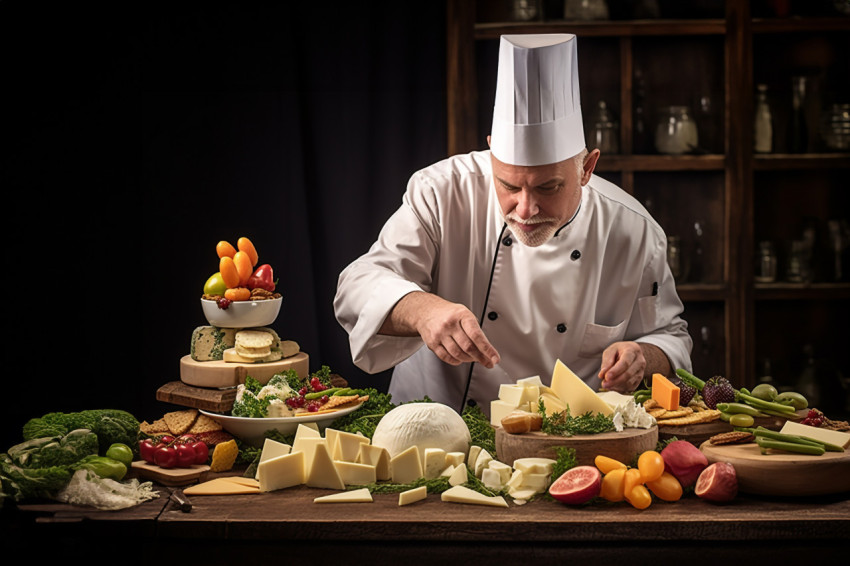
{"points": [[597, 337]]}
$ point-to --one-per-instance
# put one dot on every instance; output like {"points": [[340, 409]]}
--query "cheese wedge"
{"points": [[664, 392], [348, 446], [323, 472], [281, 472], [272, 449], [376, 456], [434, 462], [412, 495], [354, 496], [462, 494], [532, 465], [835, 437], [406, 466], [460, 475], [578, 396], [355, 474], [222, 486]]}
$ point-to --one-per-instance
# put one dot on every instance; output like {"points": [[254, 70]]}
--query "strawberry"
{"points": [[718, 389]]}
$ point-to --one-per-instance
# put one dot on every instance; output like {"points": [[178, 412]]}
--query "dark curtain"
{"points": [[136, 136]]}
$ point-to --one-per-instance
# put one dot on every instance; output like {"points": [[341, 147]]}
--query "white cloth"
{"points": [[602, 278]]}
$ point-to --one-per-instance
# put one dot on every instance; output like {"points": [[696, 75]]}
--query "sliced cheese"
{"points": [[491, 479], [522, 494], [537, 482], [323, 472], [500, 409], [460, 475], [361, 495], [472, 456], [533, 380], [664, 392], [835, 437], [412, 495], [502, 469], [578, 396], [376, 456], [482, 462], [447, 473], [221, 486], [406, 466], [272, 449], [552, 404], [348, 445], [355, 474], [308, 445], [281, 472], [462, 494], [455, 458], [532, 465], [433, 462]]}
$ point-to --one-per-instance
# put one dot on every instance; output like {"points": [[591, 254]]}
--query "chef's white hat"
{"points": [[537, 114]]}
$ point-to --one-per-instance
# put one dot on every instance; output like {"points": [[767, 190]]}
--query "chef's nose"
{"points": [[526, 205]]}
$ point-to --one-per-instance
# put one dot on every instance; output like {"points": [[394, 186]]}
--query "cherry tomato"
{"points": [[613, 484], [202, 451], [185, 455], [639, 497], [667, 487], [651, 465], [165, 457], [631, 479], [166, 439], [146, 450], [606, 464]]}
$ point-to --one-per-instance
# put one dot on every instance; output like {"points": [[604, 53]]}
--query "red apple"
{"points": [[577, 485], [718, 482], [684, 460]]}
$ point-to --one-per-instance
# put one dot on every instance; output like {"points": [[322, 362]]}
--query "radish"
{"points": [[577, 485]]}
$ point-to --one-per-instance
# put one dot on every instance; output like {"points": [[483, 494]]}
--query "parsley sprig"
{"points": [[564, 424]]}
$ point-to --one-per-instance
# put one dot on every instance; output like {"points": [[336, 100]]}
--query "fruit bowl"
{"points": [[242, 314]]}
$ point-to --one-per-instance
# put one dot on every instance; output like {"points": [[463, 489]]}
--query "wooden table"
{"points": [[286, 525]]}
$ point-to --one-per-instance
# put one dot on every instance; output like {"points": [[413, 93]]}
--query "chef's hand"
{"points": [[623, 366], [449, 329]]}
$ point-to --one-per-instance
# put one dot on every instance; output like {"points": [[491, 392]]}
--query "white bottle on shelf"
{"points": [[763, 137]]}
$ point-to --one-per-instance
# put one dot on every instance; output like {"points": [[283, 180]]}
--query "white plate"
{"points": [[252, 430]]}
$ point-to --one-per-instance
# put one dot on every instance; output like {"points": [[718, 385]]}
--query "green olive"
{"points": [[741, 420], [765, 392]]}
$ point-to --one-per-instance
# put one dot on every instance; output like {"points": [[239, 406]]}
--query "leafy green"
{"points": [[103, 466], [565, 459], [564, 424], [110, 426], [482, 432]]}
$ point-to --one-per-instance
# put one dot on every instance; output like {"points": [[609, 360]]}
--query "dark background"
{"points": [[137, 137]]}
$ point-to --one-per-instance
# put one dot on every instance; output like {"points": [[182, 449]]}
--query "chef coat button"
{"points": [[471, 402], [575, 255], [561, 328], [492, 315], [507, 241]]}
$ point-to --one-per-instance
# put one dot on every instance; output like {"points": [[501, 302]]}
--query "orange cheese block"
{"points": [[664, 392], [220, 374]]}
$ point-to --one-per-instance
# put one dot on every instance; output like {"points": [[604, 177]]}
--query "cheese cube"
{"points": [[412, 495], [406, 466], [537, 482], [664, 392], [332, 436], [376, 456], [533, 380], [502, 469], [354, 496], [498, 410], [323, 472], [281, 472], [460, 475], [355, 474], [491, 479], [455, 458], [481, 462], [271, 449], [515, 480], [472, 456], [511, 393], [462, 494], [434, 462], [576, 393], [533, 465]]}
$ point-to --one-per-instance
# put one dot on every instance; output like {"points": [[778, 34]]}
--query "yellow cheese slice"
{"points": [[356, 474], [281, 472], [376, 456], [323, 472], [835, 437], [460, 475], [221, 486], [412, 495], [406, 466], [578, 396], [348, 446], [354, 496], [462, 494]]}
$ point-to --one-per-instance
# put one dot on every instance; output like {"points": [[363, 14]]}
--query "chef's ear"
{"points": [[488, 140], [589, 165]]}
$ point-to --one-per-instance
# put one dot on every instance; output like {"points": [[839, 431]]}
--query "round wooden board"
{"points": [[622, 446], [696, 434], [783, 474]]}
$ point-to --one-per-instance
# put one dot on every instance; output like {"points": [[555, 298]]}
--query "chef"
{"points": [[500, 262]]}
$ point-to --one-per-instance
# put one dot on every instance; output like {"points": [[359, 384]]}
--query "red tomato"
{"points": [[165, 457], [185, 455], [202, 452], [146, 450], [166, 439]]}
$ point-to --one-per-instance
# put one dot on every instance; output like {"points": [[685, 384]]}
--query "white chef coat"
{"points": [[602, 278]]}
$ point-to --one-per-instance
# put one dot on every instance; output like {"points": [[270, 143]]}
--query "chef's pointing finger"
{"points": [[485, 353]]}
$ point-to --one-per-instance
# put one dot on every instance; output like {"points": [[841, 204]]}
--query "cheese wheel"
{"points": [[219, 373]]}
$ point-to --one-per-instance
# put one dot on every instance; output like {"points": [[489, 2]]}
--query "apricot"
{"points": [[245, 245], [225, 249], [229, 273], [238, 294]]}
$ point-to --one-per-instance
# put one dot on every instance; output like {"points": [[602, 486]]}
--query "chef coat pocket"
{"points": [[597, 338], [648, 310]]}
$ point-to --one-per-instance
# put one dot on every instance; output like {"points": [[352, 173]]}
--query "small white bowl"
{"points": [[242, 314]]}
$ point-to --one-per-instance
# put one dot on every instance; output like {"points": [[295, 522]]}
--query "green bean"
{"points": [[344, 391], [762, 404], [768, 443], [782, 437], [690, 379], [319, 394]]}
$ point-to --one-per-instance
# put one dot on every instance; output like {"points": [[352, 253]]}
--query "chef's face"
{"points": [[537, 200]]}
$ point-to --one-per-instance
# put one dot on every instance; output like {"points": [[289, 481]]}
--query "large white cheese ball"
{"points": [[422, 424]]}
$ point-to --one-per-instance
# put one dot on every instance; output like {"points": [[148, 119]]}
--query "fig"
{"points": [[577, 485], [684, 461], [718, 483]]}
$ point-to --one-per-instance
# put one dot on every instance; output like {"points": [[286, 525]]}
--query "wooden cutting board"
{"points": [[698, 433], [169, 476], [622, 446], [783, 474]]}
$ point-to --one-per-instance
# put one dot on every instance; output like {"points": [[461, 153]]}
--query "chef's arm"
{"points": [[449, 329]]}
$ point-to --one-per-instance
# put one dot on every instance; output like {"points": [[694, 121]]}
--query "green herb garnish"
{"points": [[564, 424]]}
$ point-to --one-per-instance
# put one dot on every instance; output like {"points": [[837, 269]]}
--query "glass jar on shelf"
{"points": [[763, 127], [766, 263], [676, 132], [835, 127], [604, 130]]}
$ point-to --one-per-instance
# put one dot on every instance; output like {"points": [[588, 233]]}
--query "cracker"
{"points": [[680, 412], [254, 339], [157, 427], [339, 400], [180, 421], [734, 437], [204, 424], [693, 418]]}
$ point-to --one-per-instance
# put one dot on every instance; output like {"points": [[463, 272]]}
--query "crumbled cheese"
{"points": [[632, 415], [280, 389]]}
